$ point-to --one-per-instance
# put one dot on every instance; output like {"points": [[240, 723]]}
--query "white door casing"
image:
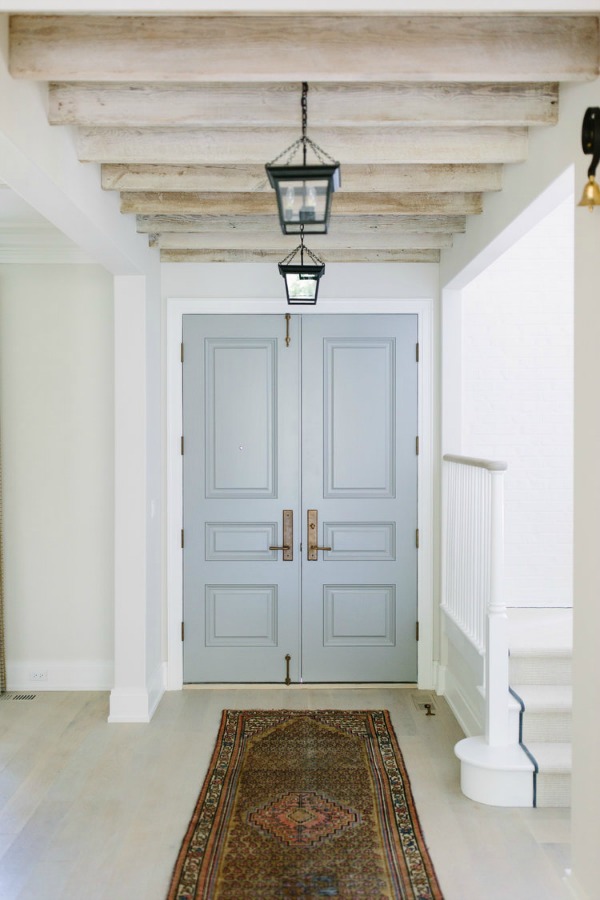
{"points": [[175, 310]]}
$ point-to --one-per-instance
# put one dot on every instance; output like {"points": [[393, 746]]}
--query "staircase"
{"points": [[540, 642]]}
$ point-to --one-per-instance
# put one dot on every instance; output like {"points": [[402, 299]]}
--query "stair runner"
{"points": [[540, 679]]}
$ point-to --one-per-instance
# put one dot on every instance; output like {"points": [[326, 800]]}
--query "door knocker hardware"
{"points": [[287, 329]]}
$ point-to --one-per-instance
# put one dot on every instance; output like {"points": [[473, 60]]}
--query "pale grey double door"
{"points": [[300, 445]]}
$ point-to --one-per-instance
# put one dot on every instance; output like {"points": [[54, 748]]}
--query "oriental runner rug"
{"points": [[306, 803]]}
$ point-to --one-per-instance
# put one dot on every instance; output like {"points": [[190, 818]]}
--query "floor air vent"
{"points": [[8, 695]]}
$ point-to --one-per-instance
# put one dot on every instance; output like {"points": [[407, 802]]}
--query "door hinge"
{"points": [[183, 631], [416, 538], [416, 445], [182, 445], [417, 631], [181, 351], [416, 355], [182, 538]]}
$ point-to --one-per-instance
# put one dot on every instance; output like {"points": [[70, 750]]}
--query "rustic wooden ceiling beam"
{"points": [[269, 256], [320, 243], [242, 179], [283, 48], [278, 105], [260, 224], [233, 146], [233, 204]]}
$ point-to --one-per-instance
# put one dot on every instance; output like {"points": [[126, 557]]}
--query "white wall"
{"points": [[517, 402], [56, 408], [551, 152]]}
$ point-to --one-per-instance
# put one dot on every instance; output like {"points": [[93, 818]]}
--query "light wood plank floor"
{"points": [[91, 811]]}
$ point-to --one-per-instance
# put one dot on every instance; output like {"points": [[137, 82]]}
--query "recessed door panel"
{"points": [[241, 430], [358, 388]]}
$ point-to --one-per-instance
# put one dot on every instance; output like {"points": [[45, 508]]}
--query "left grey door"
{"points": [[241, 471]]}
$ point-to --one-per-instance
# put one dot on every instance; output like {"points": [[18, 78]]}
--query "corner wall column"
{"points": [[129, 700]]}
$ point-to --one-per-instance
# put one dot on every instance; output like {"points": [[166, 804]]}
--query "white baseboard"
{"points": [[466, 716], [51, 675], [137, 704]]}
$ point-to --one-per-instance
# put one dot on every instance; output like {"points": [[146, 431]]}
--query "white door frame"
{"points": [[176, 309]]}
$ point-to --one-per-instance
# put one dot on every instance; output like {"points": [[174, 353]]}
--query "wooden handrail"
{"points": [[490, 464]]}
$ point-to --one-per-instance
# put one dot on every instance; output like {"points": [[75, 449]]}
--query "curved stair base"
{"points": [[497, 776]]}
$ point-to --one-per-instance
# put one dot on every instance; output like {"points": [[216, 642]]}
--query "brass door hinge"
{"points": [[182, 445], [417, 352], [417, 538], [183, 631], [416, 445], [417, 631], [182, 539], [181, 351]]}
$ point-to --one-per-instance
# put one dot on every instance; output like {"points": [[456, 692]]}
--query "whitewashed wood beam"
{"points": [[278, 105], [358, 145], [242, 179], [320, 243], [269, 256], [261, 224], [328, 47], [213, 204]]}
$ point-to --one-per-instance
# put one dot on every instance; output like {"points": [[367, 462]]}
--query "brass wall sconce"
{"points": [[590, 143]]}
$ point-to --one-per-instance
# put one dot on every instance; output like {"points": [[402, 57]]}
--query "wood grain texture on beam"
{"points": [[282, 48], [319, 243], [277, 105], [195, 204], [358, 145], [261, 224], [242, 179], [268, 256]]}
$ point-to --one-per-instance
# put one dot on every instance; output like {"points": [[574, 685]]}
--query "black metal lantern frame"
{"points": [[301, 281], [590, 144], [304, 191]]}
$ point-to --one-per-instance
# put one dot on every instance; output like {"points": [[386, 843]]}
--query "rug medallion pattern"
{"points": [[307, 804]]}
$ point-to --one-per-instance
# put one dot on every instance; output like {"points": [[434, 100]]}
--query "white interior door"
{"points": [[271, 431]]}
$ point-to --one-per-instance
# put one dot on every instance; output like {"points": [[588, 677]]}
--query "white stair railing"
{"points": [[472, 564]]}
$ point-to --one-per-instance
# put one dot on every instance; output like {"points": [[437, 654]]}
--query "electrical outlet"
{"points": [[39, 675]]}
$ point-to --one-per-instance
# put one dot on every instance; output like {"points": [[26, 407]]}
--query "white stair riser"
{"points": [[540, 670], [553, 789], [546, 726]]}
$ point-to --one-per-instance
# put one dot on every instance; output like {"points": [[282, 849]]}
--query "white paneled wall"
{"points": [[517, 387]]}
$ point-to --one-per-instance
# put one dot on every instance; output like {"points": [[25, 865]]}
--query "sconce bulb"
{"points": [[311, 199]]}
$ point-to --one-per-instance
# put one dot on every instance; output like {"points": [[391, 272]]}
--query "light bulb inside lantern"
{"points": [[290, 197]]}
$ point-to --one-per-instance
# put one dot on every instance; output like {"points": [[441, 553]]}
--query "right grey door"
{"points": [[359, 498]]}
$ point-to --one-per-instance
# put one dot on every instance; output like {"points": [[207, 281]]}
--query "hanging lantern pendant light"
{"points": [[301, 281], [304, 191]]}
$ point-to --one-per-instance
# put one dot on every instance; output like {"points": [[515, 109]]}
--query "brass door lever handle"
{"points": [[313, 530], [288, 536]]}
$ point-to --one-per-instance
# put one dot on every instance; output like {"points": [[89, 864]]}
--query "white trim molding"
{"points": [[176, 309], [54, 675]]}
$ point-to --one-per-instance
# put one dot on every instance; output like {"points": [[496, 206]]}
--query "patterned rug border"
{"points": [[415, 879]]}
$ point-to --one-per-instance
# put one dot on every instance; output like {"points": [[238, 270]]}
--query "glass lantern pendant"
{"points": [[304, 191], [301, 281]]}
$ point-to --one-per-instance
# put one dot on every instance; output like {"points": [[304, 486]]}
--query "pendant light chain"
{"points": [[304, 141], [304, 105]]}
